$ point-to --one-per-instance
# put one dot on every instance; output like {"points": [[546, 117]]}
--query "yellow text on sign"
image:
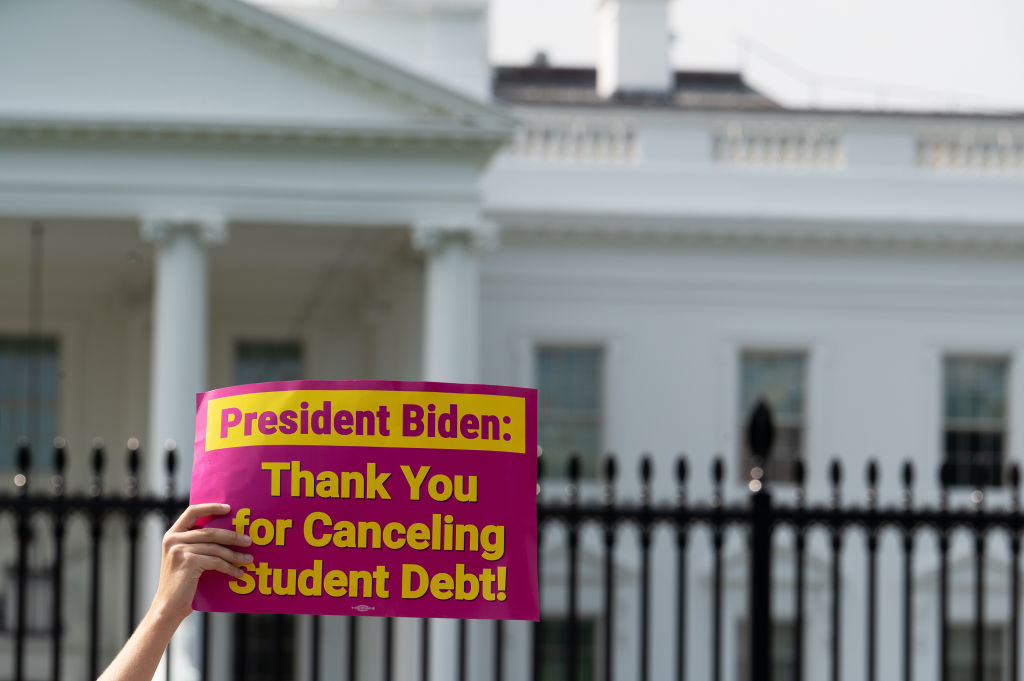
{"points": [[368, 418]]}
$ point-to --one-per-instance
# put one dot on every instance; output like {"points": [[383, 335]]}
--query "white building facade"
{"points": [[193, 192]]}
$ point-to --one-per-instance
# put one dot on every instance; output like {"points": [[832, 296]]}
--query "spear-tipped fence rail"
{"points": [[758, 516]]}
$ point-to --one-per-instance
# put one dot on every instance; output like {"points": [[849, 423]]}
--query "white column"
{"points": [[177, 373], [451, 349], [451, 302]]}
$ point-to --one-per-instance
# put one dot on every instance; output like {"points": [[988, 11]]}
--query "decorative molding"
{"points": [[592, 139], [481, 236], [972, 149], [246, 134], [653, 229], [211, 230], [779, 145]]}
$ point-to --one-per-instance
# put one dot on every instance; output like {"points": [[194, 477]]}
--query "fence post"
{"points": [[760, 437]]}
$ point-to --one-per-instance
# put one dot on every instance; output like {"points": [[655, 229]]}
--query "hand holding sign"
{"points": [[379, 498]]}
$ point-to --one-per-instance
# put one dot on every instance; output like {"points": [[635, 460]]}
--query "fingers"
{"points": [[220, 565], [188, 519], [213, 535], [221, 552]]}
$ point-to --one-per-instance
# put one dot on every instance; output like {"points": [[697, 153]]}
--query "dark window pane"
{"points": [[261, 361], [267, 642], [961, 652], [569, 392], [779, 379], [783, 649], [975, 397], [554, 649], [29, 375]]}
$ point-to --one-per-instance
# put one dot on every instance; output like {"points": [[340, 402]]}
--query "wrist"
{"points": [[161, 616]]}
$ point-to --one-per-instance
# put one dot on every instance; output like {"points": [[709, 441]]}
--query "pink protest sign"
{"points": [[373, 497]]}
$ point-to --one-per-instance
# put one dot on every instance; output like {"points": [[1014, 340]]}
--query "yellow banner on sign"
{"points": [[368, 418]]}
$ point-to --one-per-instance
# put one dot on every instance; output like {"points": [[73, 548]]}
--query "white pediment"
{"points": [[208, 62]]}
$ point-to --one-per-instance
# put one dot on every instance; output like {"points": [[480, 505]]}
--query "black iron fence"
{"points": [[575, 641]]}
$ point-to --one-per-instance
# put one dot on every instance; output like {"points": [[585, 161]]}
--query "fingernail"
{"points": [[246, 539]]}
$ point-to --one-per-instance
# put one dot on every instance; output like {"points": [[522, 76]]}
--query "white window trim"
{"points": [[525, 343], [817, 398], [225, 339], [935, 355], [70, 366]]}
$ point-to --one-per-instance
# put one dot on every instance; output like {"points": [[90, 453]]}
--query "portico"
{"points": [[326, 196]]}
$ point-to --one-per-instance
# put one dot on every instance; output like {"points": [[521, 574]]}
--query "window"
{"points": [[961, 652], [262, 361], [974, 429], [265, 644], [264, 647], [553, 640], [569, 393], [779, 378], [28, 398], [783, 649], [38, 600]]}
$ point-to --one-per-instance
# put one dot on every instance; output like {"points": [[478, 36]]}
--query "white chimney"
{"points": [[633, 49]]}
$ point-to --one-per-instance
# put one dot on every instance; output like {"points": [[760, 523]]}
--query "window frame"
{"points": [[596, 640], [743, 458], [1007, 358], [41, 459], [966, 629], [239, 341], [539, 344]]}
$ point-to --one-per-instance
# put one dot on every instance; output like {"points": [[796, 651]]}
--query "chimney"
{"points": [[633, 50]]}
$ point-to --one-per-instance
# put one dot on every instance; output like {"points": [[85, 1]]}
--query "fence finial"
{"points": [[761, 431], [170, 462], [24, 455], [872, 479], [60, 461], [1013, 475], [682, 469], [646, 473], [132, 447], [96, 487], [60, 455], [836, 475], [946, 474], [574, 468], [908, 483], [610, 469]]}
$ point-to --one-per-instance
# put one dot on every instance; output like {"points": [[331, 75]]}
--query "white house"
{"points": [[195, 193]]}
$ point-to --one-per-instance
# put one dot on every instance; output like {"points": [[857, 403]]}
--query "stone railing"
{"points": [[779, 145], [997, 150], [569, 139]]}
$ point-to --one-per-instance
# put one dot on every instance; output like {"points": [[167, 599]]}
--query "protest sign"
{"points": [[373, 497]]}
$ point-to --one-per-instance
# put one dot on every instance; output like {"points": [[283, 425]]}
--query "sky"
{"points": [[959, 55], [947, 54]]}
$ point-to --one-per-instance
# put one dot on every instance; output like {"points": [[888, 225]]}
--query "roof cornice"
{"points": [[245, 133], [756, 231]]}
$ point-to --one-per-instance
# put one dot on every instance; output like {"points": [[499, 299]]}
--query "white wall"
{"points": [[674, 316]]}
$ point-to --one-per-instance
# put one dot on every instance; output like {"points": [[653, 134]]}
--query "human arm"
{"points": [[187, 552]]}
